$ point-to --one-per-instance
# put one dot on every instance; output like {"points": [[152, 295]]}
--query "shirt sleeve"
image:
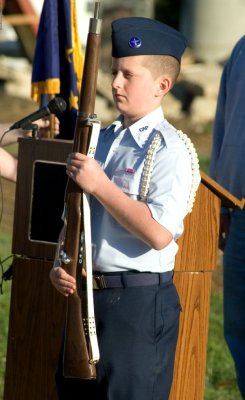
{"points": [[170, 187]]}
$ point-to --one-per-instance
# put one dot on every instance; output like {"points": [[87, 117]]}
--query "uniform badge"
{"points": [[134, 42], [130, 170], [144, 128]]}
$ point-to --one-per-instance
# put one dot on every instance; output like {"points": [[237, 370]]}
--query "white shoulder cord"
{"points": [[196, 178], [148, 165], [149, 161]]}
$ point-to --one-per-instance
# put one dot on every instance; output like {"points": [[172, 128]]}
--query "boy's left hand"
{"points": [[62, 281]]}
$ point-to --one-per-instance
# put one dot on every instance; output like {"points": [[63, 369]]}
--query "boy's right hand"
{"points": [[62, 281]]}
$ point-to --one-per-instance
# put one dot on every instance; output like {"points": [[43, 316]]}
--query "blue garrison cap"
{"points": [[134, 36]]}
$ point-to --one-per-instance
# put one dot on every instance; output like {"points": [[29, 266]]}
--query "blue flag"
{"points": [[58, 62]]}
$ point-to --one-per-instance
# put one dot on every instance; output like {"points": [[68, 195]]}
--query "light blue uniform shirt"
{"points": [[121, 153], [228, 157]]}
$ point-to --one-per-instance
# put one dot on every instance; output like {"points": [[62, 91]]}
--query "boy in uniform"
{"points": [[143, 182]]}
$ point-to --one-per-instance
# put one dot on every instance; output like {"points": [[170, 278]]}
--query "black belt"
{"points": [[122, 280]]}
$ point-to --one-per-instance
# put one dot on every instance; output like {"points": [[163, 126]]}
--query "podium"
{"points": [[37, 310], [195, 262]]}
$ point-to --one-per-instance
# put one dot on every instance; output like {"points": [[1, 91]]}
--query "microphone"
{"points": [[56, 106]]}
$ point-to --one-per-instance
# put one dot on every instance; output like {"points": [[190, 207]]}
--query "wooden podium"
{"points": [[37, 310], [195, 261]]}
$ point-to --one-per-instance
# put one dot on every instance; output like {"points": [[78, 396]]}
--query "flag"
{"points": [[58, 61]]}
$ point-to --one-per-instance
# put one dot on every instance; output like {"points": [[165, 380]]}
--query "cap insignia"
{"points": [[134, 42]]}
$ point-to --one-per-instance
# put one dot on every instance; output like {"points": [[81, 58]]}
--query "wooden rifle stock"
{"points": [[77, 358]]}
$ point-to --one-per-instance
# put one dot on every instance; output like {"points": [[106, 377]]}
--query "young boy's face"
{"points": [[135, 90]]}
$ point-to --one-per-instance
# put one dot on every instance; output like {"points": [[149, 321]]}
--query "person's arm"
{"points": [[8, 165], [133, 215], [10, 137]]}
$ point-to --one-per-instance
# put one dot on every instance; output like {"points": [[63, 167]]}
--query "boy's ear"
{"points": [[164, 85]]}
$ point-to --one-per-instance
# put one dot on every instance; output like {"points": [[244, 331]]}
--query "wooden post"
{"points": [[195, 261]]}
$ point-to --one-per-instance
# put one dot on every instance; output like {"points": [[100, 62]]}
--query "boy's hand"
{"points": [[86, 172], [62, 281]]}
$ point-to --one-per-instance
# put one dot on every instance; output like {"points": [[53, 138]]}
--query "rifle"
{"points": [[81, 351]]}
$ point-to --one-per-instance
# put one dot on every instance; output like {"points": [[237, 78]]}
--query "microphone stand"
{"points": [[34, 128], [35, 131]]}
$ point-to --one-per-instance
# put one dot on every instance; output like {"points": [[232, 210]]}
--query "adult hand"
{"points": [[45, 126], [224, 230]]}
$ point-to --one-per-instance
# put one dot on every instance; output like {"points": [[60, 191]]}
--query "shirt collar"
{"points": [[141, 129]]}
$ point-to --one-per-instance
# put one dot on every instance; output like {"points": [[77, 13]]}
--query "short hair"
{"points": [[163, 64]]}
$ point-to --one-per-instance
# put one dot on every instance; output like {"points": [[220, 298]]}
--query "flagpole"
{"points": [[51, 131]]}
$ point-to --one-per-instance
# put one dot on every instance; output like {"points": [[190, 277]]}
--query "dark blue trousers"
{"points": [[137, 332]]}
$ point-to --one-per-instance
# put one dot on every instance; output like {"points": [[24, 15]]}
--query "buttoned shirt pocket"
{"points": [[128, 180]]}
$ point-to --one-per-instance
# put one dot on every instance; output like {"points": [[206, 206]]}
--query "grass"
{"points": [[220, 374]]}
